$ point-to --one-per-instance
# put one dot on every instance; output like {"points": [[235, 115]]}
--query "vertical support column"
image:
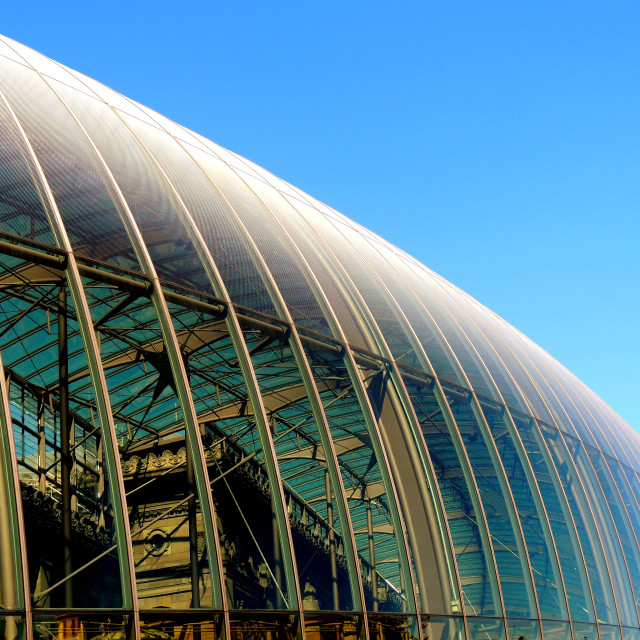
{"points": [[373, 576], [193, 533], [332, 542], [42, 448], [65, 444]]}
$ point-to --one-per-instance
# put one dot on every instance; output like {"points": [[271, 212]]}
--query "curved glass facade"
{"points": [[228, 411]]}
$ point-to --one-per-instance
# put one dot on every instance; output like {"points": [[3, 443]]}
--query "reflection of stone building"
{"points": [[227, 411]]}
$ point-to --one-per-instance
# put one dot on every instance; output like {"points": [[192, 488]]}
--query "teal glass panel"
{"points": [[170, 553], [555, 630], [386, 588], [442, 628], [585, 631], [629, 633], [569, 554], [528, 503], [318, 534], [624, 546], [469, 543], [583, 517], [67, 503], [499, 510], [518, 629], [609, 632], [485, 629]]}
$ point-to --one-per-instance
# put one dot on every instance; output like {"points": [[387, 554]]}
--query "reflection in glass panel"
{"points": [[12, 628], [569, 554], [441, 628], [625, 563], [318, 534], [609, 632], [67, 503], [74, 625], [393, 627], [469, 543], [532, 517], [585, 525], [630, 634], [523, 629], [178, 625], [169, 550], [385, 585], [555, 630], [251, 542], [262, 624], [327, 626], [494, 493], [584, 631], [486, 629]]}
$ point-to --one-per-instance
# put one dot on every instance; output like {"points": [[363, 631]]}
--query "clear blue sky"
{"points": [[498, 142]]}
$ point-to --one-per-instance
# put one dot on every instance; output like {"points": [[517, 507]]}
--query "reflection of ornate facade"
{"points": [[227, 411]]}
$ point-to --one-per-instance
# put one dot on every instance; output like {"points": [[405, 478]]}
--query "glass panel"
{"points": [[417, 491], [170, 553], [179, 625], [327, 626], [503, 524], [554, 630], [441, 628], [469, 541], [630, 634], [523, 629], [23, 205], [570, 556], [82, 190], [485, 629], [583, 517], [252, 544], [583, 631], [66, 497], [393, 627], [542, 558], [609, 632], [12, 628], [318, 534], [261, 624], [370, 507], [615, 519], [65, 625]]}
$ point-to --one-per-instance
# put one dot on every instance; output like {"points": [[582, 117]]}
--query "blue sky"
{"points": [[498, 142]]}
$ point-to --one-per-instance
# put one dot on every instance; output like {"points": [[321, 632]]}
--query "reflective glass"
{"points": [[544, 567], [485, 629], [554, 630], [441, 628], [474, 560], [569, 553], [581, 512], [179, 625], [583, 631], [372, 510], [393, 627], [609, 632], [523, 629], [65, 625], [66, 497], [169, 548], [275, 626], [513, 572]]}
